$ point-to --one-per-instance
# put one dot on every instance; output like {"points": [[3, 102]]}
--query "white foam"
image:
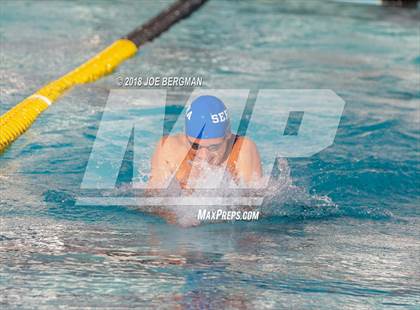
{"points": [[185, 205]]}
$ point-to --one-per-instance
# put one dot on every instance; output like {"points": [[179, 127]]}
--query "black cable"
{"points": [[162, 22]]}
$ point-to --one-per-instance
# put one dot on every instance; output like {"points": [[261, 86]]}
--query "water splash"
{"points": [[211, 188]]}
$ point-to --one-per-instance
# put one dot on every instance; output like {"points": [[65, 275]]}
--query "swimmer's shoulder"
{"points": [[171, 145], [248, 161], [245, 145], [171, 142], [246, 152]]}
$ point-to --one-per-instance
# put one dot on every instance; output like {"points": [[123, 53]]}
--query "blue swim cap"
{"points": [[207, 118]]}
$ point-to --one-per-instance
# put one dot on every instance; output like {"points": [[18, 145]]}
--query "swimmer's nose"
{"points": [[202, 153]]}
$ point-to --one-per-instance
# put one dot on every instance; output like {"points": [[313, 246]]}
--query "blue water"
{"points": [[346, 236]]}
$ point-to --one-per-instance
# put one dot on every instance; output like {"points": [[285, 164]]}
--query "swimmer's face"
{"points": [[211, 151]]}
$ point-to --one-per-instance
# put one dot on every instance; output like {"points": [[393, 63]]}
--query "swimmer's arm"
{"points": [[160, 171], [249, 162]]}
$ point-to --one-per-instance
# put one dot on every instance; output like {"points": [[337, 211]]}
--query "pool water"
{"points": [[345, 233]]}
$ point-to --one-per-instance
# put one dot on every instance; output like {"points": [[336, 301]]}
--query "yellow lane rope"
{"points": [[18, 119]]}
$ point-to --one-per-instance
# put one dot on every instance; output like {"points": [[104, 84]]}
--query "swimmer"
{"points": [[207, 140]]}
